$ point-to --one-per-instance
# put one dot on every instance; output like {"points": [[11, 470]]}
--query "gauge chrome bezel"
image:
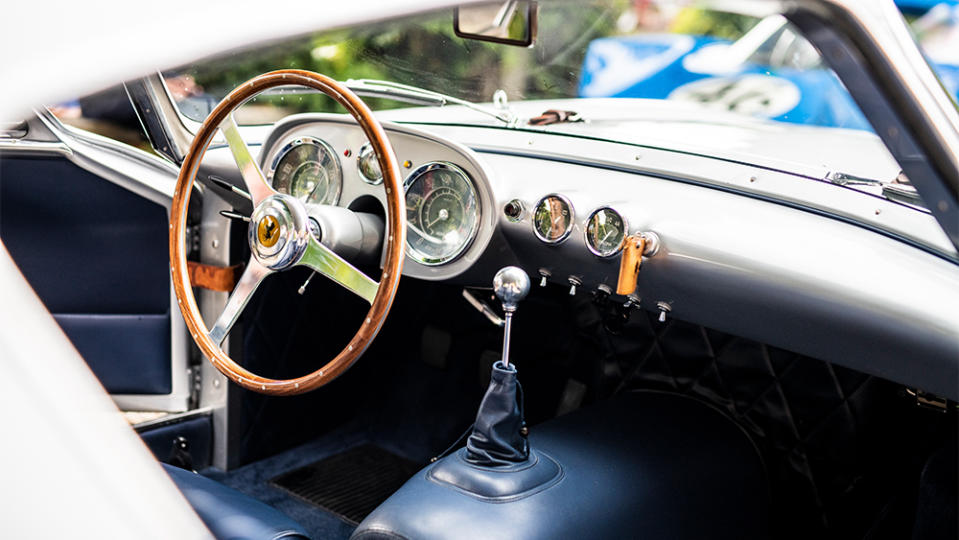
{"points": [[414, 253], [366, 150], [622, 242], [300, 140], [572, 219]]}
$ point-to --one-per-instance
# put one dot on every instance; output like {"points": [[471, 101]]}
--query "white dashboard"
{"points": [[762, 269]]}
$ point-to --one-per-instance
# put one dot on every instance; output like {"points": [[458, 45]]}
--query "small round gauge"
{"points": [[307, 169], [368, 165], [606, 232], [442, 212], [553, 219]]}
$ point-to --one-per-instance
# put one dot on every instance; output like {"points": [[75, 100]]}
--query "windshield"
{"points": [[665, 74], [600, 48]]}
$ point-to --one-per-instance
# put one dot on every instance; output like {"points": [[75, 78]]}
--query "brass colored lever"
{"points": [[629, 264]]}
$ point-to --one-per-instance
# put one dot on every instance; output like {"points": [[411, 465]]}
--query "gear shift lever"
{"points": [[511, 284], [498, 438]]}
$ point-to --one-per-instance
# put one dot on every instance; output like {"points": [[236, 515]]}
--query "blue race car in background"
{"points": [[770, 72]]}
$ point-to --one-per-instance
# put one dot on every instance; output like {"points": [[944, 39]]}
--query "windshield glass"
{"points": [[665, 74], [596, 49]]}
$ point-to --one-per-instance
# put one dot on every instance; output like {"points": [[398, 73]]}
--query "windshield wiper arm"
{"points": [[420, 96], [405, 93]]}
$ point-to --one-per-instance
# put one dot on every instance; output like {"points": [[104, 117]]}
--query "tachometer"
{"points": [[442, 213], [553, 219], [308, 169], [605, 232]]}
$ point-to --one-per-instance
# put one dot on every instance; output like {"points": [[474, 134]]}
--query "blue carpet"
{"points": [[254, 480]]}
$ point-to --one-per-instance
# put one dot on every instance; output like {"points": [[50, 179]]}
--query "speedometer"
{"points": [[308, 169], [442, 213]]}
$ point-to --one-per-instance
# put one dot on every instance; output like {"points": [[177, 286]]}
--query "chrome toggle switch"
{"points": [[573, 283], [544, 275], [664, 308]]}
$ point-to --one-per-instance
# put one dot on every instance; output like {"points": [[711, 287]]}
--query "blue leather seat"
{"points": [[231, 515], [644, 464]]}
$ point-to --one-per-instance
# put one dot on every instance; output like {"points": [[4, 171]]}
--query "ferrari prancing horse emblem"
{"points": [[268, 231]]}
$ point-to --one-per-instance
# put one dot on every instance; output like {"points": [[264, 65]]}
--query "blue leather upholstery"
{"points": [[130, 354], [231, 515], [96, 254], [644, 464]]}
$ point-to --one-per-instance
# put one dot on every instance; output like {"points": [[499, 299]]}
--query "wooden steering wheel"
{"points": [[280, 236]]}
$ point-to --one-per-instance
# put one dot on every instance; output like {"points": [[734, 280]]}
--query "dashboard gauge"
{"points": [[368, 165], [309, 170], [442, 213], [606, 232], [553, 219]]}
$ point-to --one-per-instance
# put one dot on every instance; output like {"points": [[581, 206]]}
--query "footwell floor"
{"points": [[257, 480], [350, 484]]}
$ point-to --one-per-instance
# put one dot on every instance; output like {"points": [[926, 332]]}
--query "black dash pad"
{"points": [[351, 484]]}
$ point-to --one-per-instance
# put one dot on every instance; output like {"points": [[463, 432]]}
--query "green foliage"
{"points": [[701, 22], [424, 51]]}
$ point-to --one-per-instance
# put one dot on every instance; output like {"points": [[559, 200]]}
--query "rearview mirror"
{"points": [[512, 22]]}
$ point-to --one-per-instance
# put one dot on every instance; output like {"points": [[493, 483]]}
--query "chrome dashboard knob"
{"points": [[511, 285]]}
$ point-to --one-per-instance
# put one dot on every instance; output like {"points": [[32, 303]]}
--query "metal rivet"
{"points": [[878, 211], [752, 178], [351, 347], [367, 320], [216, 243]]}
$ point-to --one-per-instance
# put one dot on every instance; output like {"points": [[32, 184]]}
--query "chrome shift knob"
{"points": [[511, 284]]}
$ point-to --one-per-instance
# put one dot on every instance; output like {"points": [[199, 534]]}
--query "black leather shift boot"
{"points": [[497, 464], [497, 439]]}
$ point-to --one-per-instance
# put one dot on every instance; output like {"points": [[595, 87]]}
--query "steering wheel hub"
{"points": [[278, 232]]}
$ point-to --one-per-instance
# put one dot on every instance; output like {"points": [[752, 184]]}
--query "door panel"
{"points": [[96, 254]]}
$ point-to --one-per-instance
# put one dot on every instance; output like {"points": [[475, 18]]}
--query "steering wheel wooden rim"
{"points": [[395, 232]]}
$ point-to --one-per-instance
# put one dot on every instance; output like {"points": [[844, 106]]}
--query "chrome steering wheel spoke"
{"points": [[253, 177], [253, 275], [325, 261]]}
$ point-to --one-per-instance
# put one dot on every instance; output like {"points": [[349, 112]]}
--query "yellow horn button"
{"points": [[268, 231]]}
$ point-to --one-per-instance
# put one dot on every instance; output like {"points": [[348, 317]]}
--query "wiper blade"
{"points": [[420, 96], [402, 92]]}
